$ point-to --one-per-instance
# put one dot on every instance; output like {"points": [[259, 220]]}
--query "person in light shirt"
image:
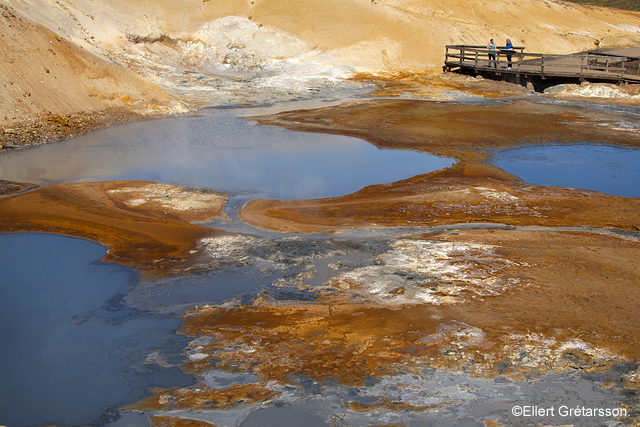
{"points": [[492, 55]]}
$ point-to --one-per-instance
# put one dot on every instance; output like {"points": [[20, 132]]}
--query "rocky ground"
{"points": [[43, 128]]}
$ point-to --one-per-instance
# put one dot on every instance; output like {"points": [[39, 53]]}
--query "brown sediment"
{"points": [[573, 303], [391, 405], [437, 86], [458, 130], [321, 340], [48, 127], [164, 421], [204, 398], [582, 284], [10, 187], [145, 234], [467, 192]]}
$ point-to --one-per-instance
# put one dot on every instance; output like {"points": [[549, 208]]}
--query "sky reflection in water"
{"points": [[610, 170], [220, 152]]}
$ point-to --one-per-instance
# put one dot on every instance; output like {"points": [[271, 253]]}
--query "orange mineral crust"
{"points": [[464, 193], [437, 86], [162, 421], [456, 130], [564, 300], [204, 398], [133, 219]]}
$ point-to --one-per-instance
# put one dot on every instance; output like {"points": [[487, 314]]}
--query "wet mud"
{"points": [[442, 299], [497, 305], [10, 187], [438, 86], [462, 131], [143, 224], [464, 193]]}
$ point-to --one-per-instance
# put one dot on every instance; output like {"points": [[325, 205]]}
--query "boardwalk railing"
{"points": [[591, 64]]}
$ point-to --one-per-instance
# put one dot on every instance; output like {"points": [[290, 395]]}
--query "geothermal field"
{"points": [[242, 213]]}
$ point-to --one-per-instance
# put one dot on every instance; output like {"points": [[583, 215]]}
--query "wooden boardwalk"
{"points": [[619, 66]]}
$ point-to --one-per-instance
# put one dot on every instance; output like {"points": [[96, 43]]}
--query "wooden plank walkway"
{"points": [[619, 66]]}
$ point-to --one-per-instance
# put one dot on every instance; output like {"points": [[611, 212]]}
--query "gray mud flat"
{"points": [[293, 269]]}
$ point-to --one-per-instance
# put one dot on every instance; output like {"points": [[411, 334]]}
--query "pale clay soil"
{"points": [[70, 67]]}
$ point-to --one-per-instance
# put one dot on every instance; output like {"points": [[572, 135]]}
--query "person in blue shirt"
{"points": [[492, 55], [509, 46]]}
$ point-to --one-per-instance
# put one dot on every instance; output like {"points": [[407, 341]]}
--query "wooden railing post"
{"points": [[542, 66], [461, 55], [476, 65]]}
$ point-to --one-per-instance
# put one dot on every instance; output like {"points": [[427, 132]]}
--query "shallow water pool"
{"points": [[602, 168], [220, 151], [71, 348]]}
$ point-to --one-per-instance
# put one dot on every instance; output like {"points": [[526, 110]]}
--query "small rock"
{"points": [[10, 131], [634, 377], [235, 46]]}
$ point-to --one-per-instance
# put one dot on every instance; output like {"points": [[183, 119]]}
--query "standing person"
{"points": [[492, 56], [509, 46]]}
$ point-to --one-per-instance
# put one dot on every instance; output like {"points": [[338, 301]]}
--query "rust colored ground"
{"points": [[159, 421], [10, 187], [144, 236], [457, 130], [204, 398], [438, 86], [576, 287], [464, 193]]}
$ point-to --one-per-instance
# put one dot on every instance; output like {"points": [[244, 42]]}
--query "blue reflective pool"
{"points": [[71, 348], [610, 170], [220, 151]]}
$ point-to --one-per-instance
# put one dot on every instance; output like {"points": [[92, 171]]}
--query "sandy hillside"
{"points": [[402, 33], [43, 73], [78, 56]]}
